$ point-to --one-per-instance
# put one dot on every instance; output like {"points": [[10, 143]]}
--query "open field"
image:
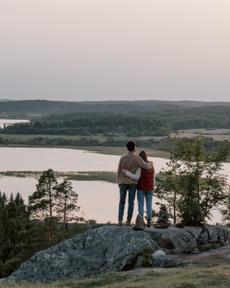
{"points": [[66, 141], [190, 277], [215, 134], [99, 137], [27, 137], [115, 145]]}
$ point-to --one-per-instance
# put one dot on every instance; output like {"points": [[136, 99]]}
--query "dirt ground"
{"points": [[219, 256]]}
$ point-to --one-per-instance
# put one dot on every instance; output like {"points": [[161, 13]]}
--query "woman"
{"points": [[145, 186]]}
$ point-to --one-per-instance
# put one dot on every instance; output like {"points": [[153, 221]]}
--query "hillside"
{"points": [[30, 108], [112, 123]]}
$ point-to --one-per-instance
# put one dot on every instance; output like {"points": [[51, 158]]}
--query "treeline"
{"points": [[158, 123], [92, 124], [31, 108], [43, 140], [15, 233], [50, 216], [166, 144]]}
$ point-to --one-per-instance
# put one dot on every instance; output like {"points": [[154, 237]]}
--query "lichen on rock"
{"points": [[113, 248]]}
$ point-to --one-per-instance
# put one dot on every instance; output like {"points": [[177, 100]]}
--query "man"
{"points": [[130, 161]]}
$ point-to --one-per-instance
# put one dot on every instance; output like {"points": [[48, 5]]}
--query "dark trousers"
{"points": [[131, 189]]}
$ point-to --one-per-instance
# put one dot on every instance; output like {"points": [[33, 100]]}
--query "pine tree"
{"points": [[17, 224], [3, 227], [22, 222], [3, 215], [11, 223], [14, 231], [42, 202], [67, 207]]}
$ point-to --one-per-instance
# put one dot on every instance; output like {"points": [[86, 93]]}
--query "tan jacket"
{"points": [[130, 162]]}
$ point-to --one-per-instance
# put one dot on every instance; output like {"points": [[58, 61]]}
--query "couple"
{"points": [[135, 173]]}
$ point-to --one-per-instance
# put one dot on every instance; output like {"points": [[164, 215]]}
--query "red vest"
{"points": [[145, 182]]}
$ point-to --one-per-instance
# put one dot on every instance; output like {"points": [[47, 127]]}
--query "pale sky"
{"points": [[115, 49]]}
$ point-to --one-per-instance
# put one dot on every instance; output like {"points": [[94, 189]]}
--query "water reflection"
{"points": [[39, 159], [98, 200]]}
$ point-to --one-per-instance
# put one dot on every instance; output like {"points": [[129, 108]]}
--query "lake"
{"points": [[38, 159], [98, 200]]}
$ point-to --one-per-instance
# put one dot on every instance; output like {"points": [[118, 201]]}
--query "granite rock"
{"points": [[114, 248]]}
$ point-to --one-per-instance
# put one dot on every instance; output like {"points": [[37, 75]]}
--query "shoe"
{"points": [[139, 223], [119, 223], [128, 223], [148, 223]]}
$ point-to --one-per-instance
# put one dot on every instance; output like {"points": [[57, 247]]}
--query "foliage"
{"points": [[42, 202], [66, 208], [133, 119], [106, 144], [226, 208], [86, 124], [192, 183], [24, 228], [168, 187], [54, 202], [15, 230]]}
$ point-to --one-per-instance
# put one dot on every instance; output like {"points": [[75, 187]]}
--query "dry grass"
{"points": [[190, 277]]}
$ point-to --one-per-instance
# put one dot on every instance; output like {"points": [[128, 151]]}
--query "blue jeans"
{"points": [[149, 198], [131, 189]]}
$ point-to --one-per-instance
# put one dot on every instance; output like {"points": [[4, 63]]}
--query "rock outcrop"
{"points": [[113, 248]]}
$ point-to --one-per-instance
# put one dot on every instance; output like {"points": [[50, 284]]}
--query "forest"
{"points": [[111, 123], [50, 216], [130, 124]]}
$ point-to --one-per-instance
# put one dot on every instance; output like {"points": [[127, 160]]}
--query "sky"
{"points": [[115, 49]]}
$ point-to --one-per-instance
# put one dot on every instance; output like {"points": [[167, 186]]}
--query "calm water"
{"points": [[38, 159], [8, 122], [97, 199]]}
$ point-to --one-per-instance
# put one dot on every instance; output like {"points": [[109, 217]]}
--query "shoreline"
{"points": [[106, 150], [105, 176]]}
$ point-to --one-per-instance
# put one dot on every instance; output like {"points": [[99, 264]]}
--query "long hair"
{"points": [[143, 155]]}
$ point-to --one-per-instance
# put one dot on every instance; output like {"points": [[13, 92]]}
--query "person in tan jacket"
{"points": [[130, 161]]}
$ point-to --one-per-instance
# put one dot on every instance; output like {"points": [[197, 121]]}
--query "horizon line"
{"points": [[126, 100]]}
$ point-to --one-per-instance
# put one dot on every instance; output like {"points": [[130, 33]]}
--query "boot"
{"points": [[128, 222], [139, 224]]}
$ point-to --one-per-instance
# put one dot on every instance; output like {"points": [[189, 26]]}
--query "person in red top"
{"points": [[145, 187]]}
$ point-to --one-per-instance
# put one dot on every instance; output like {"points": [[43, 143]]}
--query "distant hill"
{"points": [[33, 108], [5, 100]]}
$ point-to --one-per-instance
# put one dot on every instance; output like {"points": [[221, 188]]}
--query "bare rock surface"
{"points": [[213, 257], [113, 248]]}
